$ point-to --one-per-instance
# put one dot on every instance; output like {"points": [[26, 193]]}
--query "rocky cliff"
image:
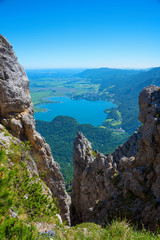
{"points": [[16, 114], [123, 184], [126, 183]]}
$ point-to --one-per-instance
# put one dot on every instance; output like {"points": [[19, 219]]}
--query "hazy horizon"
{"points": [[85, 68]]}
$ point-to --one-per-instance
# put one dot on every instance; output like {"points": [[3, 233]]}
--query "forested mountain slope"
{"points": [[122, 87], [61, 132]]}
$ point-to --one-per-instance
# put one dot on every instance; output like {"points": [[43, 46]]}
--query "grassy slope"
{"points": [[117, 230], [23, 195]]}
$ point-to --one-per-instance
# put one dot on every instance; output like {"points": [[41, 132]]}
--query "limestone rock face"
{"points": [[129, 148], [92, 172], [126, 183], [16, 114], [15, 96]]}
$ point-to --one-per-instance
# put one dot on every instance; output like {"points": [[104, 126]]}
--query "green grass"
{"points": [[37, 97], [117, 230], [119, 114], [118, 134], [114, 119], [116, 123], [111, 123], [109, 120], [21, 193], [37, 109]]}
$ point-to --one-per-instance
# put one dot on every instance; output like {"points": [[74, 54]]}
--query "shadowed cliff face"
{"points": [[126, 183], [16, 114]]}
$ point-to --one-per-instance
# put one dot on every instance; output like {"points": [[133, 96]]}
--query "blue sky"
{"points": [[83, 33]]}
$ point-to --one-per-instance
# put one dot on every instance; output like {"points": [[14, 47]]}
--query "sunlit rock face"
{"points": [[126, 183], [15, 96], [16, 114]]}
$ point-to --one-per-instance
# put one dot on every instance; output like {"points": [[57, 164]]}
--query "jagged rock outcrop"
{"points": [[127, 186], [129, 148], [16, 114]]}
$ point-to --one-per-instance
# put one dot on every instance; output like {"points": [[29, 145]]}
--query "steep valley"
{"points": [[106, 188]]}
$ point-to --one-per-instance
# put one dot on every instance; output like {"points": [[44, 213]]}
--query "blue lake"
{"points": [[85, 112]]}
